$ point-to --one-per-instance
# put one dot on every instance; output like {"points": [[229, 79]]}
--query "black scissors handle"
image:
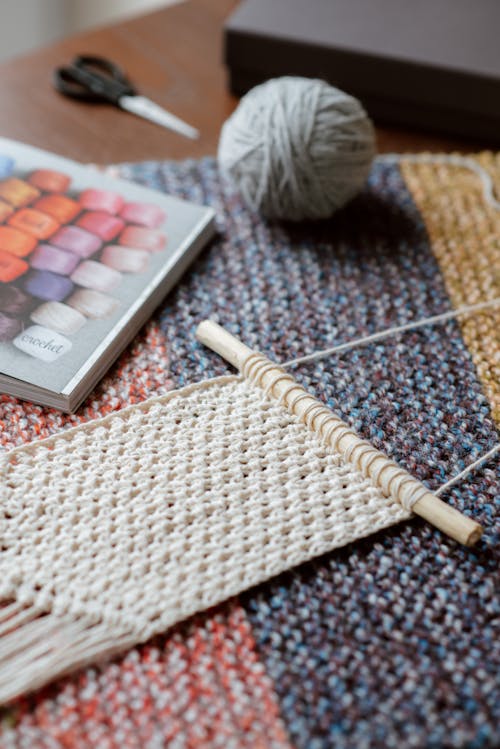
{"points": [[94, 79]]}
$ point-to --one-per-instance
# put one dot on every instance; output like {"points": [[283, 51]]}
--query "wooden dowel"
{"points": [[394, 481]]}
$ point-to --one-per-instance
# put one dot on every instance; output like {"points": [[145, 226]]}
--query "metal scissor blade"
{"points": [[144, 107]]}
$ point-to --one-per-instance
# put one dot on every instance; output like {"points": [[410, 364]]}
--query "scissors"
{"points": [[96, 79]]}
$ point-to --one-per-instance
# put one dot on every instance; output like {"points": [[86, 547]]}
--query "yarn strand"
{"points": [[382, 334], [484, 458]]}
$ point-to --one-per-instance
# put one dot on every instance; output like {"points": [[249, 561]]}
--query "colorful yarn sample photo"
{"points": [[390, 639], [56, 236]]}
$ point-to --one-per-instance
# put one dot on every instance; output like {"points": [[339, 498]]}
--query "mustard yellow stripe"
{"points": [[464, 231]]}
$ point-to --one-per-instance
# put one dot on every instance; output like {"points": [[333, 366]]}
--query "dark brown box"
{"points": [[431, 64]]}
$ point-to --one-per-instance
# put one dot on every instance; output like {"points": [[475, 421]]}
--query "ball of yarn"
{"points": [[297, 148]]}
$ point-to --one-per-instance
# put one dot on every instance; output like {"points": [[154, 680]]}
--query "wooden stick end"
{"points": [[474, 535], [214, 336], [449, 520]]}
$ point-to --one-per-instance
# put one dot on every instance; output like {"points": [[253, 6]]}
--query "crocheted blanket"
{"points": [[390, 641]]}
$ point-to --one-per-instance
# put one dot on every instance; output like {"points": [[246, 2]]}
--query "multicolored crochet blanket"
{"points": [[392, 641]]}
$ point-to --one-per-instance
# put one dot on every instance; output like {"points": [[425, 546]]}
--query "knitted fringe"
{"points": [[37, 647]]}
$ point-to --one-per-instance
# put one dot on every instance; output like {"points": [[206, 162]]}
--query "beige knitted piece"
{"points": [[116, 530]]}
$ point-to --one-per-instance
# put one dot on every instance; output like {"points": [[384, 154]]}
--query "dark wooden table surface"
{"points": [[174, 56]]}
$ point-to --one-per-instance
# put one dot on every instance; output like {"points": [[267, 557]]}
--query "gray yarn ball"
{"points": [[297, 148]]}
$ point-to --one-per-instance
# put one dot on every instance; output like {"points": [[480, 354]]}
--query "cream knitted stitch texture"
{"points": [[118, 529]]}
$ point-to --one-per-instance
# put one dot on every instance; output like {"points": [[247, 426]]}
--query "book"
{"points": [[84, 261]]}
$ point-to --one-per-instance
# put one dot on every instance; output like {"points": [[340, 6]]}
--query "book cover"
{"points": [[84, 260]]}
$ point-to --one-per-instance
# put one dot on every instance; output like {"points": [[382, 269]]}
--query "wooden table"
{"points": [[175, 57]]}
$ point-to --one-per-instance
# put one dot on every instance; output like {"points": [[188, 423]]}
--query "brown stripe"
{"points": [[464, 232]]}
